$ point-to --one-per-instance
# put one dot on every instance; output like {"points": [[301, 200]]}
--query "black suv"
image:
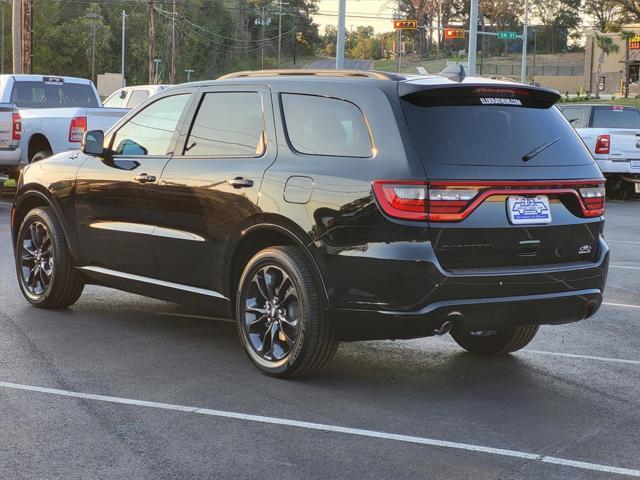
{"points": [[314, 207]]}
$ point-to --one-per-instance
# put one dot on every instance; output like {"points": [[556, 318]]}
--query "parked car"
{"points": [[612, 133], [41, 115], [131, 97], [315, 207]]}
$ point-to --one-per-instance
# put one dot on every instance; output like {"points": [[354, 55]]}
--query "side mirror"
{"points": [[93, 143]]}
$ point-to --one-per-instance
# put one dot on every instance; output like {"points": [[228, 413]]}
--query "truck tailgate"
{"points": [[6, 126]]}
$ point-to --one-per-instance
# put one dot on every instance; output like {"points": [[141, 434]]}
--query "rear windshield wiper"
{"points": [[539, 149]]}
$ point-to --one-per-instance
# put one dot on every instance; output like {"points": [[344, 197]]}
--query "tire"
{"points": [[41, 155], [288, 336], [44, 267], [499, 342]]}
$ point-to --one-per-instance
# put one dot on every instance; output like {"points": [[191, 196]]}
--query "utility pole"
{"points": [[342, 13], [189, 71], [94, 27], [523, 68], [172, 73], [2, 68], [152, 41], [16, 23], [156, 63], [473, 37], [26, 35], [124, 22]]}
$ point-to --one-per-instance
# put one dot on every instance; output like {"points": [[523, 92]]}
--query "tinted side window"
{"points": [[150, 131], [577, 116], [137, 97], [116, 100], [616, 117], [227, 124], [325, 126]]}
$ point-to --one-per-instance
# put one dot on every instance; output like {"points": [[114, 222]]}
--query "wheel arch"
{"points": [[32, 198], [37, 142], [262, 235]]}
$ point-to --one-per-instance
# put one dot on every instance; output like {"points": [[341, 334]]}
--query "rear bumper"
{"points": [[486, 301], [616, 166], [10, 157]]}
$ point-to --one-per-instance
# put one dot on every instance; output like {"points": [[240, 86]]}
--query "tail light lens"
{"points": [[603, 144], [453, 201], [593, 198], [77, 128], [405, 200], [16, 130]]}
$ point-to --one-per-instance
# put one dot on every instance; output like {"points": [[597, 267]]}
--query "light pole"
{"points": [[189, 71], [124, 21], [157, 62], [523, 68], [473, 37], [342, 13]]}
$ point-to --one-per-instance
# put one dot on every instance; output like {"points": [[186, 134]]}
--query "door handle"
{"points": [[240, 182], [144, 178]]}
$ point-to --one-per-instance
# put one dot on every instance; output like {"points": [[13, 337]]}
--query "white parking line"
{"points": [[622, 241], [624, 266], [332, 428], [583, 357], [623, 305]]}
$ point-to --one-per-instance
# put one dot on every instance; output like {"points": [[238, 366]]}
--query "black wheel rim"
{"points": [[271, 314], [36, 258]]}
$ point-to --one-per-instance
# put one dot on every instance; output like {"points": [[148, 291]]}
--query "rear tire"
{"points": [[280, 315], [41, 155], [44, 266], [500, 342]]}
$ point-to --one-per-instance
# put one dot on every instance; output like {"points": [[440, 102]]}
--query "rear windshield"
{"points": [[615, 117], [46, 94], [495, 135]]}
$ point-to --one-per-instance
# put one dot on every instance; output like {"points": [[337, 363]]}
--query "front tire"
{"points": [[496, 342], [280, 315], [46, 274]]}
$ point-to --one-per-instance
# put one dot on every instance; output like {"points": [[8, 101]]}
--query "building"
{"points": [[612, 74]]}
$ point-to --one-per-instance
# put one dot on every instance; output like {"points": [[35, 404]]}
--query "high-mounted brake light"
{"points": [[603, 144], [77, 128], [16, 129]]}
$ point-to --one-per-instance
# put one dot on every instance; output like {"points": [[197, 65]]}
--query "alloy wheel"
{"points": [[271, 314], [36, 258]]}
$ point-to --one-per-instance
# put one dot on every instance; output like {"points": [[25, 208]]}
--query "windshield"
{"points": [[494, 135], [41, 94], [616, 117]]}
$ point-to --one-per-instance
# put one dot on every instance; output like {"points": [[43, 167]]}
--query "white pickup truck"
{"points": [[41, 115], [612, 133]]}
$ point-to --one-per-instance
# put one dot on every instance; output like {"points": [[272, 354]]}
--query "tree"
{"points": [[607, 13], [557, 16], [607, 46], [626, 35]]}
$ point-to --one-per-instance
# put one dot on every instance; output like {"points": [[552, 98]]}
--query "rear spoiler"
{"points": [[515, 95]]}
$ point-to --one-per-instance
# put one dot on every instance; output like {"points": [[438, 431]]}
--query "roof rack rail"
{"points": [[374, 74]]}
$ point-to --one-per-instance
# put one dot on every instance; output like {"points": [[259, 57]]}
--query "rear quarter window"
{"points": [[325, 126]]}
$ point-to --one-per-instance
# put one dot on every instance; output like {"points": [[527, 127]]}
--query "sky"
{"points": [[356, 9]]}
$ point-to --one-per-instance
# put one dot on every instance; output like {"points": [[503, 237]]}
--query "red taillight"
{"points": [[406, 200], [453, 201], [16, 130], [603, 144], [593, 199], [77, 128]]}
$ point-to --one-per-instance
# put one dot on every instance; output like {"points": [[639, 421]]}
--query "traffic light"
{"points": [[405, 24], [451, 33]]}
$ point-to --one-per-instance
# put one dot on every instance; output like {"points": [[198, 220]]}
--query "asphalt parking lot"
{"points": [[121, 386]]}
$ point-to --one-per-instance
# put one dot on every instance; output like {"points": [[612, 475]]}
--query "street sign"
{"points": [[451, 33], [507, 35], [634, 43], [405, 24]]}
